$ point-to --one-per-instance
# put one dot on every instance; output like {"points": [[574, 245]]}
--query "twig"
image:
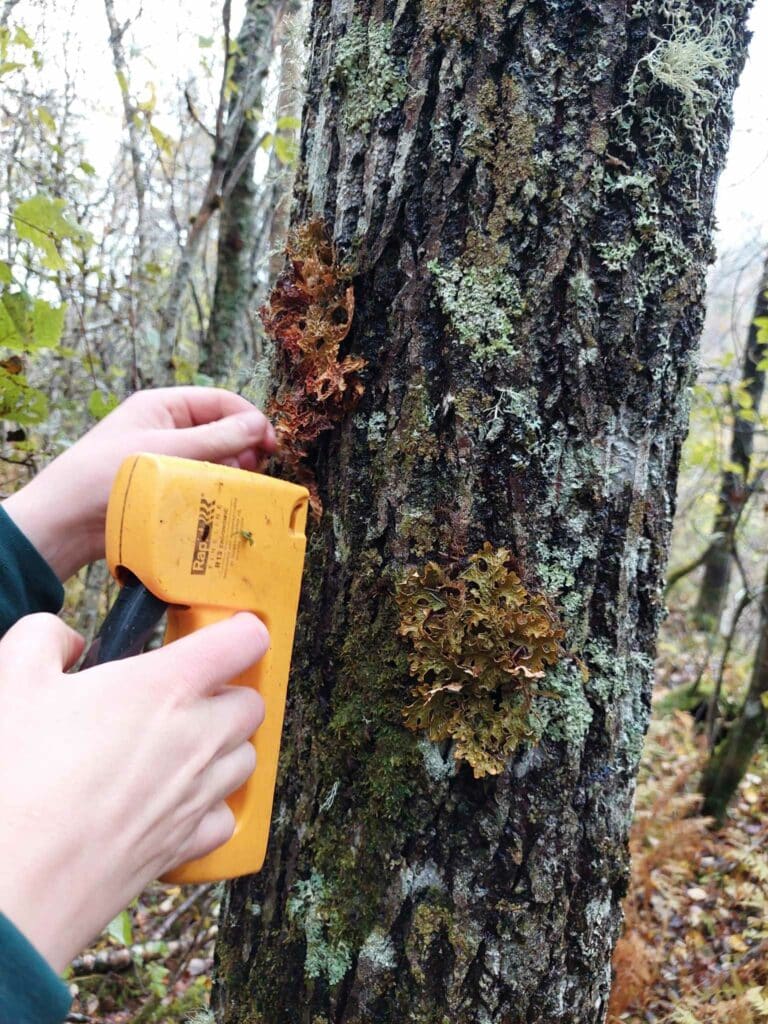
{"points": [[685, 570], [240, 166], [226, 13], [746, 599], [195, 116], [171, 919], [121, 959]]}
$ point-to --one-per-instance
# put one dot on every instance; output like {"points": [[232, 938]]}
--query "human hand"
{"points": [[62, 509], [111, 777]]}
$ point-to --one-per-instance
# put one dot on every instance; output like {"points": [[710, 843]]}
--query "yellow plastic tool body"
{"points": [[212, 541]]}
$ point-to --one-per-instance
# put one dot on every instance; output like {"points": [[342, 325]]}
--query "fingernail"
{"points": [[257, 625]]}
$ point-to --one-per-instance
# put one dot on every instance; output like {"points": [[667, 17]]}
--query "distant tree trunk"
{"points": [[6, 12], [275, 200], [227, 328], [227, 168], [138, 174], [734, 486], [730, 760], [525, 195]]}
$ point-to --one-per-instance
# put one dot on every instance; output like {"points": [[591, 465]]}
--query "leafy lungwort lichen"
{"points": [[480, 643], [308, 316]]}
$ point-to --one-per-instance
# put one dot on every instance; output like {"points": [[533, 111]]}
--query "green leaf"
{"points": [[267, 141], [87, 168], [47, 323], [286, 149], [45, 118], [6, 274], [120, 929], [100, 405], [148, 106], [749, 415], [157, 978], [163, 142], [205, 42], [20, 402], [288, 124], [27, 323], [7, 66], [22, 38], [122, 81], [41, 221]]}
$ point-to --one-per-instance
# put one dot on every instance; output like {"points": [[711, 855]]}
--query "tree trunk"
{"points": [[228, 331], [729, 762], [137, 313], [227, 169], [275, 200], [735, 484], [525, 193]]}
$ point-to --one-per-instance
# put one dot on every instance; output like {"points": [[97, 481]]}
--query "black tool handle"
{"points": [[128, 626]]}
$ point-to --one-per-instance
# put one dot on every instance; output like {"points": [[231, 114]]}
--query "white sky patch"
{"points": [[742, 196]]}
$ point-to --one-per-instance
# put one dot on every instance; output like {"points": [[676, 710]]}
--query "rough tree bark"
{"points": [[735, 486], [227, 332], [525, 193]]}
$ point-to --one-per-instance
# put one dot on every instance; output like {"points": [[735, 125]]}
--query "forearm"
{"points": [[51, 523]]}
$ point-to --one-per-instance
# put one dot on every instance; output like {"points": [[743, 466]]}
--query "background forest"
{"points": [[148, 159]]}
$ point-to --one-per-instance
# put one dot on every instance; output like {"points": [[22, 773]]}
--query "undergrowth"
{"points": [[695, 944]]}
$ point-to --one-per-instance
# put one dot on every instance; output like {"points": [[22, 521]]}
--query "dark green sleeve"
{"points": [[27, 582], [30, 991]]}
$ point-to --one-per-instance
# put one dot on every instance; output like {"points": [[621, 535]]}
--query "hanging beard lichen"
{"points": [[480, 643]]}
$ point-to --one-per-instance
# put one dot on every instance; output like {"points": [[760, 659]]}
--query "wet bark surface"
{"points": [[527, 204]]}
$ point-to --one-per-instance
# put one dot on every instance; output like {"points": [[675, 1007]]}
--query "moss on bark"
{"points": [[496, 899]]}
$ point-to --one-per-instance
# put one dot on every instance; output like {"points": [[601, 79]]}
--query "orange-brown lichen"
{"points": [[480, 643], [308, 316]]}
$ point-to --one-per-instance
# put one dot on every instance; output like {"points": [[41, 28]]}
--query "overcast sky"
{"points": [[742, 199], [163, 44], [165, 40]]}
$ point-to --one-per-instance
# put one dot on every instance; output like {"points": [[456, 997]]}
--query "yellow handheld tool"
{"points": [[205, 542]]}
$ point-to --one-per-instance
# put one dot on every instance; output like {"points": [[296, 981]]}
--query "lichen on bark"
{"points": [[494, 899], [480, 640]]}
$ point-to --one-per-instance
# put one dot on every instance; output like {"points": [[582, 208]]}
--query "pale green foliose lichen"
{"points": [[309, 906], [567, 715], [379, 950], [373, 80], [481, 304]]}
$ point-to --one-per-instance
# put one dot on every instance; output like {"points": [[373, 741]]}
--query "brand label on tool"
{"points": [[222, 537], [205, 519]]}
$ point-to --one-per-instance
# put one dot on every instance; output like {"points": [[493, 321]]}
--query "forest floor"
{"points": [[695, 944]]}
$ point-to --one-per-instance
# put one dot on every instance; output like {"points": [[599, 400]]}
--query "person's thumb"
{"points": [[40, 642], [204, 662], [221, 439]]}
